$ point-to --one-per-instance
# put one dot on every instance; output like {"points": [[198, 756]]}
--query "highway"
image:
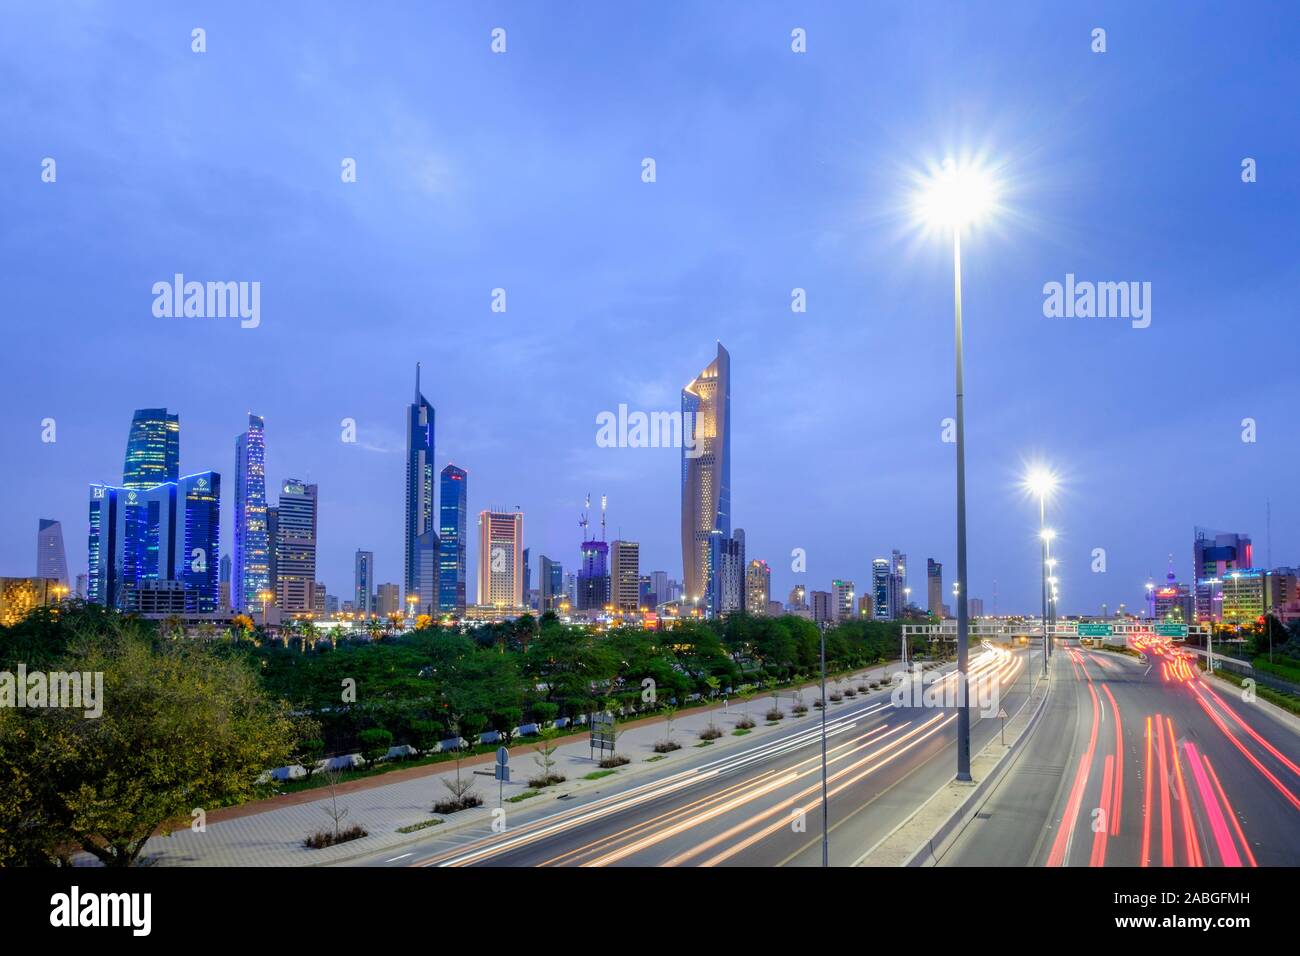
{"points": [[758, 806], [1142, 763]]}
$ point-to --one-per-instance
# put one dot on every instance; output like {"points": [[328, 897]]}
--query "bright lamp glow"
{"points": [[1048, 534], [1040, 482], [955, 194]]}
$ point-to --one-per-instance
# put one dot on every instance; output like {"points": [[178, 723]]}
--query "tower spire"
{"points": [[417, 383]]}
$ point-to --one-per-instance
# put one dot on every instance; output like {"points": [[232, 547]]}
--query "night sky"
{"points": [[775, 170]]}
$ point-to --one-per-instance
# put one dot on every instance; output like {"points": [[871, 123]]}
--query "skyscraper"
{"points": [[934, 587], [727, 574], [1216, 554], [453, 511], [51, 559], [163, 539], [295, 548], [223, 585], [898, 584], [363, 583], [758, 587], [551, 584], [153, 449], [593, 577], [842, 600], [500, 559], [882, 578], [419, 481], [625, 575], [706, 472], [426, 575], [252, 570]]}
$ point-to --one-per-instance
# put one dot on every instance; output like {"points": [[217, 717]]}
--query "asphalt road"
{"points": [[760, 806], [1142, 764]]}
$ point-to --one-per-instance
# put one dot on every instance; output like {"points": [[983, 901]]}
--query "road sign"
{"points": [[1095, 630], [1171, 630], [503, 756], [602, 732], [502, 773]]}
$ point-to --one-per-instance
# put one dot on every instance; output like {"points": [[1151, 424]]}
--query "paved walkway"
{"points": [[270, 832]]}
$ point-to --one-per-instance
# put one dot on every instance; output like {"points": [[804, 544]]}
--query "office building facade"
{"points": [[706, 474], [419, 483]]}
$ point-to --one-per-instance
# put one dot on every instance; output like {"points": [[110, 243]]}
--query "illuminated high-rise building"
{"points": [[550, 576], [625, 575], [453, 511], [160, 539], [251, 576], [593, 576], [51, 559], [419, 482], [295, 548], [153, 449], [758, 587], [842, 600], [500, 559], [726, 592], [1215, 555], [363, 583], [706, 473]]}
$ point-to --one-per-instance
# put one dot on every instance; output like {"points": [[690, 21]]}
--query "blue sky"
{"points": [[774, 171]]}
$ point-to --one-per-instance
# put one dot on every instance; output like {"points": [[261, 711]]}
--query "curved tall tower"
{"points": [[706, 472], [419, 485]]}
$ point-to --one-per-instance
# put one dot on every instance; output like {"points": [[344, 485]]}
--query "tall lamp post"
{"points": [[953, 197], [1209, 638], [1041, 482]]}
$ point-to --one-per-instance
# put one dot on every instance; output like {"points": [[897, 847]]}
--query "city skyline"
{"points": [[837, 165]]}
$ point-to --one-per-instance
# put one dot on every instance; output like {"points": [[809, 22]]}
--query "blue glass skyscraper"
{"points": [[199, 535], [252, 570], [153, 449], [419, 483], [453, 515]]}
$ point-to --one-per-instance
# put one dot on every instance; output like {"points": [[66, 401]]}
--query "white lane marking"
{"points": [[402, 857]]}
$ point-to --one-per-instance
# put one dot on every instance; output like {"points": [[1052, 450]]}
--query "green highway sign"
{"points": [[1171, 630], [1094, 630]]}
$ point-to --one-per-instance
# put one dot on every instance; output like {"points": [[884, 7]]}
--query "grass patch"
{"points": [[597, 774], [740, 731], [705, 743], [422, 825], [517, 798], [656, 757], [1288, 702]]}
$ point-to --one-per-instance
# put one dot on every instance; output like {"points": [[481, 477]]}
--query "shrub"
{"points": [[850, 692], [836, 697], [456, 804], [775, 714], [744, 723], [374, 744], [799, 709], [667, 746], [609, 763], [710, 733], [819, 703], [323, 838], [546, 780]]}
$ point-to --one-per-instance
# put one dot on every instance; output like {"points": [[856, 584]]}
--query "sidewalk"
{"points": [[270, 832]]}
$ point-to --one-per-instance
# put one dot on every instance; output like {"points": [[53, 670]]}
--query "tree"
{"points": [[308, 749], [183, 726], [375, 743], [545, 758]]}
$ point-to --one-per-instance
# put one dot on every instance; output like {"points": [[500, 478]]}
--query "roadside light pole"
{"points": [[954, 196], [826, 813]]}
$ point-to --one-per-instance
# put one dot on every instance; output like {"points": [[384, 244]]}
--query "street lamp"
{"points": [[1041, 482], [1209, 638], [1046, 535], [953, 197]]}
